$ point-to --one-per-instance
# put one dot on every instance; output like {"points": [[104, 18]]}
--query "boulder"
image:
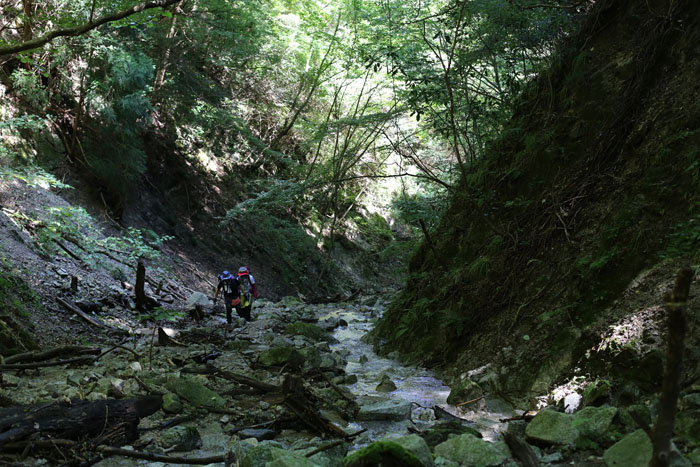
{"points": [[259, 434], [382, 453], [280, 356], [181, 438], [416, 446], [171, 403], [550, 427], [469, 450], [386, 385], [194, 392], [386, 410], [465, 391], [635, 449], [593, 423], [198, 298], [310, 331]]}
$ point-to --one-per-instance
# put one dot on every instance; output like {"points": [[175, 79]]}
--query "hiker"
{"points": [[248, 292], [229, 284]]}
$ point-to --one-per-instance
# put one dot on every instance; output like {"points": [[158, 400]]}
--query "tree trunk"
{"points": [[138, 288]]}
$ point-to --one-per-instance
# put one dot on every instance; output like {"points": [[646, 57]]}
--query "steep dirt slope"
{"points": [[593, 183]]}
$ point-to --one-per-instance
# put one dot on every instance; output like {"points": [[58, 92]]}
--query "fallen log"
{"points": [[28, 357], [235, 377], [112, 451], [113, 421], [70, 307], [32, 366], [303, 405]]}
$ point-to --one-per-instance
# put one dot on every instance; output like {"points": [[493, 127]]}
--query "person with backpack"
{"points": [[228, 283], [248, 292]]}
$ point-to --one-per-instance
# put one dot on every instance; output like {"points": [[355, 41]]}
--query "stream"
{"points": [[417, 385]]}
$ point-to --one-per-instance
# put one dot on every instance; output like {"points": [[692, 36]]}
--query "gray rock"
{"points": [[470, 450], [387, 410], [260, 435], [280, 356], [416, 446], [550, 427], [594, 422], [181, 438], [386, 385], [635, 449], [198, 298]]}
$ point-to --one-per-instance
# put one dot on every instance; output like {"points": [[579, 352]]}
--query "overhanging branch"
{"points": [[78, 30]]}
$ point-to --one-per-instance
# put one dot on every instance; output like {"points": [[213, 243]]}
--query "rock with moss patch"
{"points": [[310, 331], [386, 410], [469, 450], [386, 453], [416, 446], [464, 391], [636, 449], [593, 423], [550, 427], [172, 403], [281, 356], [181, 438], [194, 392], [386, 385], [440, 432], [596, 393]]}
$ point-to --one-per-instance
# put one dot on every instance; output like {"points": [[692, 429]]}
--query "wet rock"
{"points": [[496, 405], [310, 331], [198, 298], [172, 403], [636, 449], [465, 391], [593, 423], [417, 446], [280, 356], [517, 428], [386, 410], [312, 357], [181, 438], [351, 379], [550, 427], [363, 359], [470, 450], [440, 432], [386, 385], [194, 392], [259, 434], [382, 453]]}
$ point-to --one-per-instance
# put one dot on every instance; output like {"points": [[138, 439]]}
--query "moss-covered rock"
{"points": [[593, 423], [417, 446], [280, 356], [464, 391], [470, 450], [550, 427], [440, 432], [384, 453], [310, 331], [181, 438], [171, 403], [194, 392]]}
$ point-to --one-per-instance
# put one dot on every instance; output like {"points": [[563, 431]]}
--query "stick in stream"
{"points": [[29, 357]]}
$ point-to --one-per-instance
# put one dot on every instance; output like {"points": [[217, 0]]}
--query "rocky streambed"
{"points": [[296, 386]]}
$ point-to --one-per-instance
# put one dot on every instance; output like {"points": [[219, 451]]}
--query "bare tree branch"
{"points": [[78, 30]]}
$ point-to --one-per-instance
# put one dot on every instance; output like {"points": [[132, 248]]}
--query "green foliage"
{"points": [[162, 314], [33, 176]]}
